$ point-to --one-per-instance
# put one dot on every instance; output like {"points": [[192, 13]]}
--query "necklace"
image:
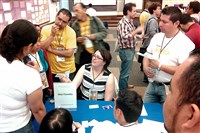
{"points": [[162, 48], [94, 78]]}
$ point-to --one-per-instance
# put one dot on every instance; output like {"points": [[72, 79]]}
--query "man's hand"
{"points": [[54, 30], [80, 39], [148, 72], [91, 36], [154, 63], [50, 49]]}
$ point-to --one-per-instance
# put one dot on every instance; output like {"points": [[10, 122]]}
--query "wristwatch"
{"points": [[159, 66]]}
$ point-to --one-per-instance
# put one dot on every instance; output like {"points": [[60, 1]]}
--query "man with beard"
{"points": [[182, 106]]}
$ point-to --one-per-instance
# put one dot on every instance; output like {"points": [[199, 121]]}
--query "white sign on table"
{"points": [[65, 96]]}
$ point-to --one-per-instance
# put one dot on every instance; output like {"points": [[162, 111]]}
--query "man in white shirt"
{"points": [[127, 109], [169, 49]]}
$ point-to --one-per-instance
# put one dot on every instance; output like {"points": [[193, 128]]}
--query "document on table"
{"points": [[94, 106], [65, 96]]}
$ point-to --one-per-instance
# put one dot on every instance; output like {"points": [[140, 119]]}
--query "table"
{"points": [[83, 113]]}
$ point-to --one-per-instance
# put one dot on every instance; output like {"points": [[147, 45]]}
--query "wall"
{"points": [[53, 9], [36, 11], [41, 11], [172, 2]]}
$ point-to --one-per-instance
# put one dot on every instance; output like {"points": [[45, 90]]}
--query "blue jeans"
{"points": [[26, 129], [155, 93], [126, 56]]}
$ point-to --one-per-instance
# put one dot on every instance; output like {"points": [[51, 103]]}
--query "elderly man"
{"points": [[182, 105], [88, 29]]}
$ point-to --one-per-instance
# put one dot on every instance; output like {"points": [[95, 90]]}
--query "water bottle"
{"points": [[154, 71], [93, 94]]}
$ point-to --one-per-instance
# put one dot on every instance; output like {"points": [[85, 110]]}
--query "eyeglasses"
{"points": [[97, 57]]}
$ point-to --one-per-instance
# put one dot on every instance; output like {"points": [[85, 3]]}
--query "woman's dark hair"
{"points": [[19, 34], [5, 31], [106, 56], [57, 121]]}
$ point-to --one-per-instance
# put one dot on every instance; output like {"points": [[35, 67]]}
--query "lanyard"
{"points": [[58, 38], [162, 48], [35, 57]]}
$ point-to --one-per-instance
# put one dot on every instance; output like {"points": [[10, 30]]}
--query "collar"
{"points": [[127, 19], [130, 124], [146, 10]]}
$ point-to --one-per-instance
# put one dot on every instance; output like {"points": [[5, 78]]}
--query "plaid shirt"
{"points": [[124, 29]]}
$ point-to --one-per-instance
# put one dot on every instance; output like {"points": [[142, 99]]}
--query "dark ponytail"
{"points": [[19, 34]]}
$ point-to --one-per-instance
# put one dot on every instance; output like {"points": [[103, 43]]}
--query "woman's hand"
{"points": [[77, 125], [65, 79], [33, 65]]}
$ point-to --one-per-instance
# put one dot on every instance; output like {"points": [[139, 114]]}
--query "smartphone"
{"points": [[26, 59]]}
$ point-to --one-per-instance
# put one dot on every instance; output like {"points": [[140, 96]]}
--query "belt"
{"points": [[127, 48], [161, 83]]}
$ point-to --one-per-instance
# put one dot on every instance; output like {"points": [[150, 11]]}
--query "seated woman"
{"points": [[59, 121], [95, 75]]}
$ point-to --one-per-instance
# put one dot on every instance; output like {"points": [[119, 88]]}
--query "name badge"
{"points": [[60, 58], [45, 83]]}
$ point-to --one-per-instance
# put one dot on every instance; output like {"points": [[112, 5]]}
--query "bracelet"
{"points": [[159, 66]]}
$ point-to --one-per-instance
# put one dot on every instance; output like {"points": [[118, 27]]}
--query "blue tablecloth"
{"points": [[83, 113]]}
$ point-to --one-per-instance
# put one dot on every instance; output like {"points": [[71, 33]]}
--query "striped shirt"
{"points": [[124, 29], [88, 83]]}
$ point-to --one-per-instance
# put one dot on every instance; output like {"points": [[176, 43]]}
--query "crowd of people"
{"points": [[31, 58]]}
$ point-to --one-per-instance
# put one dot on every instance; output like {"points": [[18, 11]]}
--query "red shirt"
{"points": [[194, 34]]}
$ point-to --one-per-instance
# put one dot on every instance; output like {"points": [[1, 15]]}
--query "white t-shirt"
{"points": [[17, 81], [109, 127], [173, 53]]}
